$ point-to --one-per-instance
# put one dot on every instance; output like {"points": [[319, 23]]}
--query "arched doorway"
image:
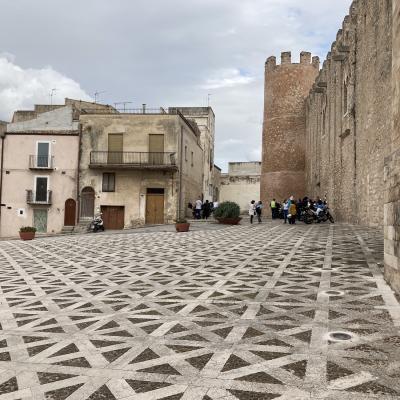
{"points": [[69, 212], [87, 202]]}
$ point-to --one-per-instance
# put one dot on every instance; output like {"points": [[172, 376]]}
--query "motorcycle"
{"points": [[97, 224], [309, 216]]}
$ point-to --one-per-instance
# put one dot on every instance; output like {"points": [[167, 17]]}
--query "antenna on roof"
{"points": [[97, 94], [52, 93], [124, 103], [208, 99]]}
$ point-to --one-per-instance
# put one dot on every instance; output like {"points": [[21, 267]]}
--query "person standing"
{"points": [[285, 211], [259, 207], [198, 206], [292, 213], [206, 209], [273, 208], [252, 210]]}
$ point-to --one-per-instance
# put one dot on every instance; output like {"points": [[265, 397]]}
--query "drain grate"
{"points": [[334, 293], [340, 336]]}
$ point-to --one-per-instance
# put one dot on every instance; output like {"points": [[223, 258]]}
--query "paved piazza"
{"points": [[236, 313]]}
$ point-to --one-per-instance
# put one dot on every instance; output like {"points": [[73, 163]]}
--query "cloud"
{"points": [[22, 88], [171, 53], [227, 78]]}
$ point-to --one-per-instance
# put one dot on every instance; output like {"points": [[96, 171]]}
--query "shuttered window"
{"points": [[108, 182]]}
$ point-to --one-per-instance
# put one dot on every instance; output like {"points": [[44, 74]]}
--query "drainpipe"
{"points": [[78, 198], [180, 175], [3, 136]]}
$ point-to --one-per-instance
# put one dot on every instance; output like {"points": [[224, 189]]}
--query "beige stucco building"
{"points": [[138, 168], [241, 184], [205, 119], [39, 170]]}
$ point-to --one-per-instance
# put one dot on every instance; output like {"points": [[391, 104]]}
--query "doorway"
{"points": [[154, 206], [156, 149], [113, 217], [87, 202], [69, 212], [40, 220], [115, 148]]}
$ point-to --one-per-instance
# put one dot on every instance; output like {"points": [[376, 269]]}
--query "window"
{"points": [[191, 156], [108, 182], [345, 98], [186, 153], [42, 154], [41, 188]]}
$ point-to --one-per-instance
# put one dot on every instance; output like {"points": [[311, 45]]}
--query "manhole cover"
{"points": [[334, 293], [340, 336]]}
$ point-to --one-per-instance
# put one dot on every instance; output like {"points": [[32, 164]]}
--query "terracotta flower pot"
{"points": [[229, 221], [27, 235], [182, 227]]}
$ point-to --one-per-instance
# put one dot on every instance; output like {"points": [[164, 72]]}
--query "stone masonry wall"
{"points": [[348, 117], [392, 168], [283, 157]]}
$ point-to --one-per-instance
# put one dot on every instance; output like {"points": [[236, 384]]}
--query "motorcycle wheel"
{"points": [[331, 219], [102, 228], [308, 220]]}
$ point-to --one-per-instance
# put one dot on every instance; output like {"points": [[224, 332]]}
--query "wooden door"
{"points": [[69, 212], [87, 202], [40, 220], [155, 206], [156, 149], [113, 217], [115, 148]]}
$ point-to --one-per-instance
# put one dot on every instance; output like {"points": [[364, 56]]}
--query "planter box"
{"points": [[27, 235], [229, 221], [182, 227]]}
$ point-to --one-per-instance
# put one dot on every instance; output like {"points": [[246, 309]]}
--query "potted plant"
{"points": [[228, 213], [27, 232], [181, 225]]}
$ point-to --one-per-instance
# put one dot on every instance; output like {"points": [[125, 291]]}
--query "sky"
{"points": [[162, 53]]}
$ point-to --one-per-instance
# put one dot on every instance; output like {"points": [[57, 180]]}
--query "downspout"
{"points": [[78, 198], [180, 176], [3, 136]]}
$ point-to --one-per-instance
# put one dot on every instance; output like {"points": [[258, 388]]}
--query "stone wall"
{"points": [[286, 88], [241, 184], [392, 168], [348, 118]]}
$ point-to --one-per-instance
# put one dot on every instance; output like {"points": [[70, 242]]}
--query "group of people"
{"points": [[202, 210], [290, 209], [255, 209]]}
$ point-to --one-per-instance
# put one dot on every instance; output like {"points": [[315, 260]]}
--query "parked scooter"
{"points": [[309, 216], [97, 224]]}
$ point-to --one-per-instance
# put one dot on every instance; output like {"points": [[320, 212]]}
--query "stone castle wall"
{"points": [[392, 168], [283, 157], [349, 118]]}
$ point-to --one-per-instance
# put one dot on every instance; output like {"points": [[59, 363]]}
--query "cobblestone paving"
{"points": [[237, 313]]}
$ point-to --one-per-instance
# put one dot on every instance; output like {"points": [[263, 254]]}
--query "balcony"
{"points": [[38, 198], [132, 160], [41, 162]]}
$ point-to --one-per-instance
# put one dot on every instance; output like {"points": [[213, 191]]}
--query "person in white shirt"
{"points": [[198, 206], [252, 210]]}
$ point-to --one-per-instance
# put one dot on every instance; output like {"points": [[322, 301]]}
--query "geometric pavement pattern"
{"points": [[236, 313]]}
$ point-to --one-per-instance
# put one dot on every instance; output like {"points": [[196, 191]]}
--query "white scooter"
{"points": [[97, 224]]}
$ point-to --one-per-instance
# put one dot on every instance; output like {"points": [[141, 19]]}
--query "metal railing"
{"points": [[38, 197], [41, 162], [132, 158]]}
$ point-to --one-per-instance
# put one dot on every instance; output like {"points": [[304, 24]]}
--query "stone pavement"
{"points": [[236, 313]]}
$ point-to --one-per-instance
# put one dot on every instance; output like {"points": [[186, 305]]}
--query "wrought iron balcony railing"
{"points": [[38, 197], [41, 162], [129, 159]]}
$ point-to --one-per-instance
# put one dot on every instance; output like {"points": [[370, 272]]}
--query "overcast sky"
{"points": [[162, 53]]}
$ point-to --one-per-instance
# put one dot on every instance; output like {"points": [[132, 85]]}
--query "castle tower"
{"points": [[283, 153]]}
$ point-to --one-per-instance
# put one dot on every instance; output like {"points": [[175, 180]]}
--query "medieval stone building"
{"points": [[331, 132]]}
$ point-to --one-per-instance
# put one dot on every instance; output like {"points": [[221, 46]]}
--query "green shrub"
{"points": [[227, 209], [27, 229]]}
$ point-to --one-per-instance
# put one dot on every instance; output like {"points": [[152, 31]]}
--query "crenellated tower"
{"points": [[283, 153]]}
